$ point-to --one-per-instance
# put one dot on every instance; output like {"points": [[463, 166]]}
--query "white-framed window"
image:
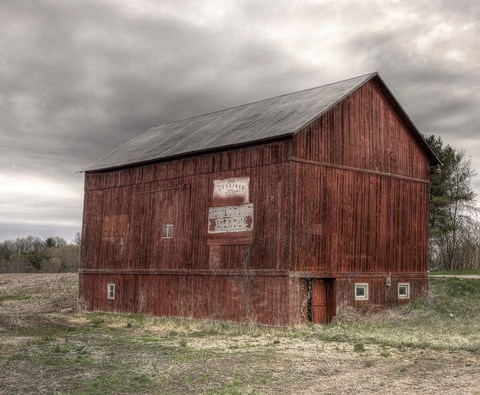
{"points": [[361, 291], [111, 291], [403, 290], [167, 232]]}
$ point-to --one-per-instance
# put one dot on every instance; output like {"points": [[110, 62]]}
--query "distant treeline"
{"points": [[32, 254]]}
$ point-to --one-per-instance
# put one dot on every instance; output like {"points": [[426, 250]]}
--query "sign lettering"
{"points": [[228, 219], [232, 188]]}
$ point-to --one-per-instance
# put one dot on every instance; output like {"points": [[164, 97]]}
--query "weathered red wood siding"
{"points": [[124, 213], [379, 294], [254, 297], [363, 132], [355, 222], [361, 188]]}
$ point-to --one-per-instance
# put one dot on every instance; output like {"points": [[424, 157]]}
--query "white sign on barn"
{"points": [[228, 219], [231, 187]]}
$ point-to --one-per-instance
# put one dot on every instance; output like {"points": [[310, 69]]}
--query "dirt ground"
{"points": [[46, 347]]}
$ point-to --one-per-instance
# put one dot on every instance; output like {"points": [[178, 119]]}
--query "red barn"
{"points": [[281, 211]]}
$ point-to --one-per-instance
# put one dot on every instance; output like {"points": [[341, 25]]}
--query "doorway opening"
{"points": [[309, 300], [320, 300]]}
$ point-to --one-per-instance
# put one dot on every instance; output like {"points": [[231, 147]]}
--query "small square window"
{"points": [[110, 291], [403, 290], [361, 291], [167, 231]]}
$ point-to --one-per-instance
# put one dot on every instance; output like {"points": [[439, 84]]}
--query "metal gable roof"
{"points": [[268, 119]]}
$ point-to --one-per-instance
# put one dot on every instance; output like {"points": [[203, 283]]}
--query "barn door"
{"points": [[322, 302], [319, 302]]}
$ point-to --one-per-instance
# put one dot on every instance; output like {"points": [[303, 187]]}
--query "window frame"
{"points": [[364, 286], [169, 228], [407, 285], [111, 291]]}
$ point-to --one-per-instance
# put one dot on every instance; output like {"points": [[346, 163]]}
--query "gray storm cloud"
{"points": [[78, 79]]}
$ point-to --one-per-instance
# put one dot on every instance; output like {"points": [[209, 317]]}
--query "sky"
{"points": [[79, 78]]}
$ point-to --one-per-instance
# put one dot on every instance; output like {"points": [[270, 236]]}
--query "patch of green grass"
{"points": [[129, 382], [96, 322], [359, 347], [456, 297], [206, 376], [185, 355], [5, 298], [48, 328], [385, 353], [150, 339], [136, 319], [16, 356], [233, 387], [455, 272], [205, 332], [48, 352]]}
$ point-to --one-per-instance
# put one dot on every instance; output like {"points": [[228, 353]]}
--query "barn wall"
{"points": [[364, 132], [223, 297], [360, 191], [125, 211], [228, 276], [379, 294], [356, 222]]}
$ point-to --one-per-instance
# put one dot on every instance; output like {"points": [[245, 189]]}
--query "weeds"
{"points": [[358, 347], [6, 298], [368, 363], [456, 272], [385, 353]]}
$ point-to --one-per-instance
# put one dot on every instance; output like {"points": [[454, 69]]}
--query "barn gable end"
{"points": [[279, 229], [362, 179], [364, 131]]}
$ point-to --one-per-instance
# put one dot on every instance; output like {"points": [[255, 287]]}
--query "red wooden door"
{"points": [[319, 302]]}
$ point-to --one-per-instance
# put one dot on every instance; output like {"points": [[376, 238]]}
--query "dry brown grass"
{"points": [[45, 351]]}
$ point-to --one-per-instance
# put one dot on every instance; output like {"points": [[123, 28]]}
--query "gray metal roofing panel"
{"points": [[266, 119]]}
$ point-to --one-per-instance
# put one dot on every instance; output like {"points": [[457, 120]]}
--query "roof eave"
{"points": [[188, 154]]}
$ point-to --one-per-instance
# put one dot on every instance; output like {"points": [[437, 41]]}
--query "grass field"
{"points": [[430, 347], [456, 272]]}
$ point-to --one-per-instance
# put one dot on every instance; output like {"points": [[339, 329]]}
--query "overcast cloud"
{"points": [[78, 78]]}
